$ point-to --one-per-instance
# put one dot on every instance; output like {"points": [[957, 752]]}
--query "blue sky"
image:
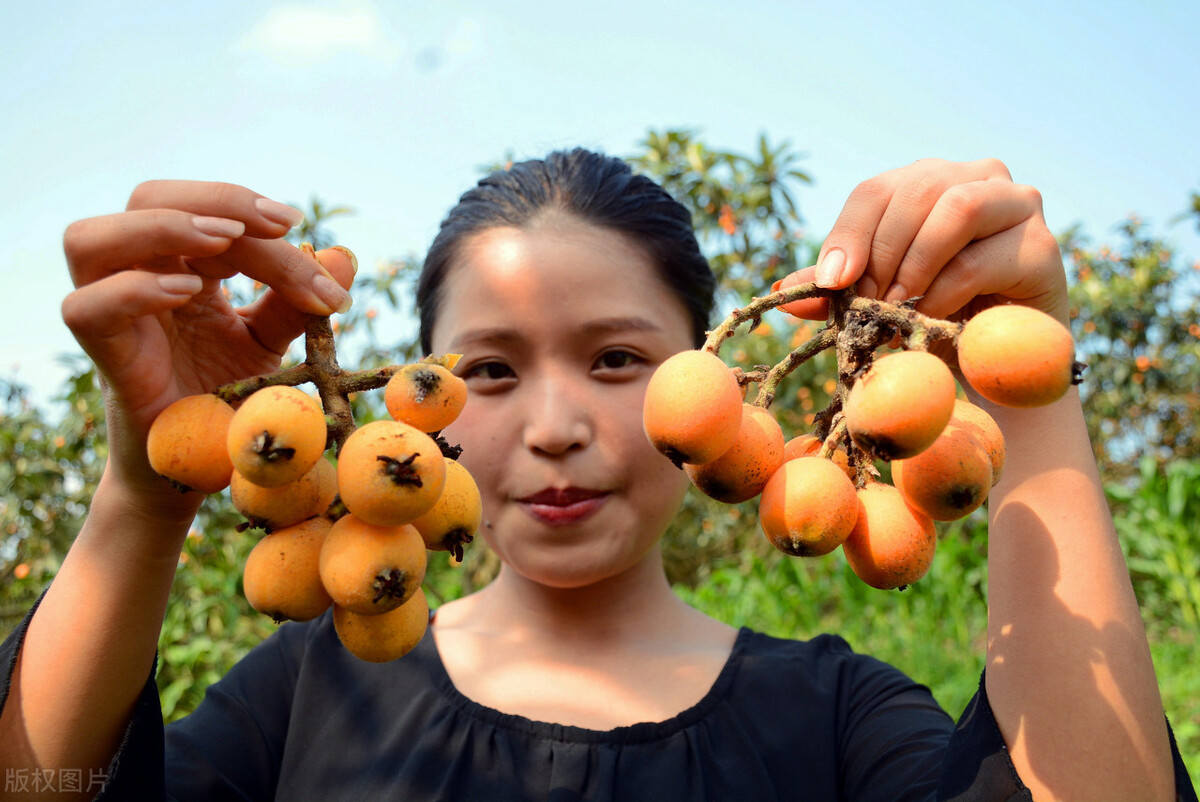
{"points": [[392, 107]]}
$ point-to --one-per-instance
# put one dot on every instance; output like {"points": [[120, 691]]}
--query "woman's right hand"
{"points": [[149, 309]]}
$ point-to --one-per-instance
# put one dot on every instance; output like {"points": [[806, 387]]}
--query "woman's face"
{"points": [[560, 325]]}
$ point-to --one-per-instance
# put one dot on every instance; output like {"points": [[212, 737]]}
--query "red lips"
{"points": [[562, 498], [561, 507]]}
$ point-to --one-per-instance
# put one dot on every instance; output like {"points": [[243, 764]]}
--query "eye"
{"points": [[489, 371], [617, 360]]}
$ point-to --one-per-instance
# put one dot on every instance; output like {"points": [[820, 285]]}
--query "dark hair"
{"points": [[598, 189]]}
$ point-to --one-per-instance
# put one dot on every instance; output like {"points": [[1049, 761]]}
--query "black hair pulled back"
{"points": [[595, 188]]}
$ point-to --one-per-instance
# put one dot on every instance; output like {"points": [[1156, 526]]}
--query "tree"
{"points": [[743, 205], [49, 470], [1134, 313]]}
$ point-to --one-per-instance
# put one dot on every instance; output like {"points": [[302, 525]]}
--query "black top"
{"points": [[300, 718]]}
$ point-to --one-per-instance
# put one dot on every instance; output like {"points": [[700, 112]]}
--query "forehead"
{"points": [[556, 276]]}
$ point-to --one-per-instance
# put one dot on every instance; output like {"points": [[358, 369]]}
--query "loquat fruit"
{"points": [[742, 471], [187, 443], [900, 404], [385, 637], [948, 480], [369, 569], [453, 520], [425, 395], [281, 577], [808, 507], [277, 435], [1017, 356], [808, 445], [273, 508], [983, 426], [390, 473], [693, 408], [891, 544]]}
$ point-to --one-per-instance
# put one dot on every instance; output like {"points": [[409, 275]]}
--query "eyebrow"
{"points": [[593, 328]]}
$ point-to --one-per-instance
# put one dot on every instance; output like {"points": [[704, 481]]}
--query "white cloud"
{"points": [[465, 38], [303, 35]]}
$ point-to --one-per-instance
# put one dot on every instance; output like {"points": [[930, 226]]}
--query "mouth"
{"points": [[561, 507]]}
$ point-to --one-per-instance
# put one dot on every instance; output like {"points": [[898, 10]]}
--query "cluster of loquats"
{"points": [[895, 401], [350, 533]]}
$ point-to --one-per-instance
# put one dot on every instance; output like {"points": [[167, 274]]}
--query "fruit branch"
{"points": [[918, 330], [902, 408], [753, 311], [321, 359], [822, 340], [321, 368], [242, 389], [835, 436]]}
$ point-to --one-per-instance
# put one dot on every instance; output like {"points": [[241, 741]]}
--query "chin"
{"points": [[570, 565]]}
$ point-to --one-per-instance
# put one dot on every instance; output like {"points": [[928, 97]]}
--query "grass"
{"points": [[935, 631]]}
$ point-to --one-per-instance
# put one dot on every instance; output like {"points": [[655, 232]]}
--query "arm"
{"points": [[1069, 675], [149, 311]]}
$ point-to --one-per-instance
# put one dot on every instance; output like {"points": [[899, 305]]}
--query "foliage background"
{"points": [[1134, 316]]}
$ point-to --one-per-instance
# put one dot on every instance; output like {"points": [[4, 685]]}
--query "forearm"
{"points": [[1069, 673], [91, 642]]}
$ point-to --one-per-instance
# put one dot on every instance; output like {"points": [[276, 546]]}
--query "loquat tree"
{"points": [[1135, 317]]}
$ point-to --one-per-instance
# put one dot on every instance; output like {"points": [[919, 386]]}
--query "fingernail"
{"points": [[896, 294], [830, 268], [332, 293], [349, 255], [181, 283], [219, 227], [866, 287], [278, 212]]}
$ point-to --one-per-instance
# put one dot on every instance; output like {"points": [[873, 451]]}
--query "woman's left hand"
{"points": [[962, 235]]}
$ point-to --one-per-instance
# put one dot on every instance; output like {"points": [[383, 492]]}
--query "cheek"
{"points": [[483, 439], [663, 482], [651, 475]]}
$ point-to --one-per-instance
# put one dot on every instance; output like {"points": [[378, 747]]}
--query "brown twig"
{"points": [[822, 340], [753, 311], [321, 368]]}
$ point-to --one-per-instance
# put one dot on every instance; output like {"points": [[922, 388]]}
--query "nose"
{"points": [[557, 419]]}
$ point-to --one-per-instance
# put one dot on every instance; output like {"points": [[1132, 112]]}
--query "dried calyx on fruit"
{"points": [[893, 400]]}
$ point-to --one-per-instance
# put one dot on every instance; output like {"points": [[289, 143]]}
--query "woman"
{"points": [[577, 673]]}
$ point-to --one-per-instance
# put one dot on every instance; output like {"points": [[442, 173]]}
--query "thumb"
{"points": [[273, 319]]}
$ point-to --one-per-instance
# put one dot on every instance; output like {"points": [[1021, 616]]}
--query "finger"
{"points": [[103, 315], [964, 213], [861, 249], [846, 250], [156, 239], [300, 279], [263, 217], [806, 308], [100, 246], [275, 323], [1021, 264], [920, 188]]}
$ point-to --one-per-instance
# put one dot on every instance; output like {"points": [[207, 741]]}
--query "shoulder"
{"points": [[886, 733], [303, 655], [824, 656], [826, 670]]}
